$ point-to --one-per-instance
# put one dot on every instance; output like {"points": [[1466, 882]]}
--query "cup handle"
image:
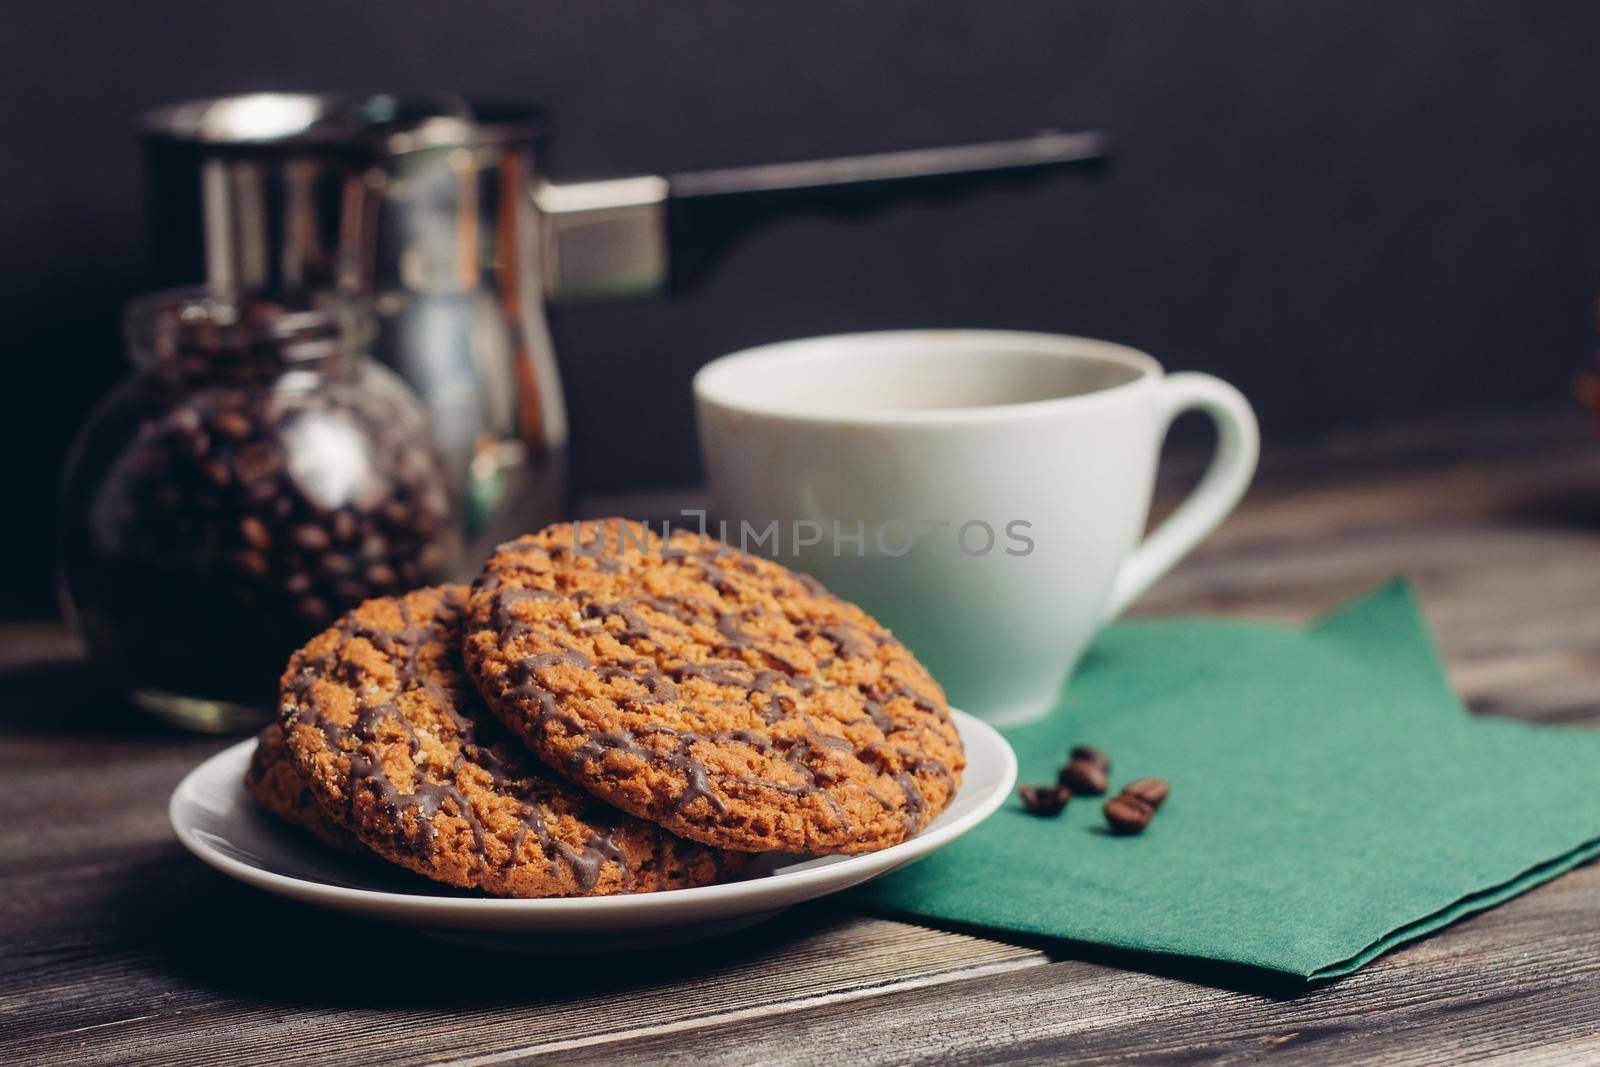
{"points": [[1225, 480]]}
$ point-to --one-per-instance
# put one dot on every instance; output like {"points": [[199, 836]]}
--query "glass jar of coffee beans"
{"points": [[256, 476]]}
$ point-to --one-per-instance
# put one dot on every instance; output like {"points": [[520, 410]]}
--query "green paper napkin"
{"points": [[1331, 799]]}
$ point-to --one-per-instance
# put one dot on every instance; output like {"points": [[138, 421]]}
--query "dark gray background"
{"points": [[1352, 210]]}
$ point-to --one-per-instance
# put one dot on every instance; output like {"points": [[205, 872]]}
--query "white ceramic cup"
{"points": [[843, 456]]}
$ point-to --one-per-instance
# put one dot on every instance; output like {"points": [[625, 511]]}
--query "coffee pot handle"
{"points": [[1220, 488], [648, 235]]}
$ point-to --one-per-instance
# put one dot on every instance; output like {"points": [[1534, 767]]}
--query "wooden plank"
{"points": [[188, 980], [119, 947], [1521, 979], [115, 946]]}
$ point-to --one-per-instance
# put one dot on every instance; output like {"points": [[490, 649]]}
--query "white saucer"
{"points": [[218, 821]]}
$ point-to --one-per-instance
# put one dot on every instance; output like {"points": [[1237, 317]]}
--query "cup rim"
{"points": [[710, 388]]}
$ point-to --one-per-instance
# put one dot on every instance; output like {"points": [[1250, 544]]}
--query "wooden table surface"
{"points": [[116, 946]]}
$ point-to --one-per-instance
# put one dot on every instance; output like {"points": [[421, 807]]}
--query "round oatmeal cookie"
{"points": [[394, 746], [723, 696], [278, 787]]}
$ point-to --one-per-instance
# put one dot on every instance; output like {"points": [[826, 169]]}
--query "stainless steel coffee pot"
{"points": [[438, 209]]}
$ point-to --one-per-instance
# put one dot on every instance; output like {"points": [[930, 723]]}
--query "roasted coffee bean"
{"points": [[232, 425], [252, 563], [344, 526], [311, 538], [1127, 814], [432, 558], [313, 609], [333, 565], [216, 472], [195, 444], [258, 461], [381, 576], [436, 504], [1090, 754], [255, 533], [350, 591], [151, 464], [372, 494], [184, 419], [261, 494], [1083, 777], [1150, 790], [1044, 799], [414, 461]]}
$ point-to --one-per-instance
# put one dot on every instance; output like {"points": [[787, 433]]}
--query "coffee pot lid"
{"points": [[360, 121]]}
